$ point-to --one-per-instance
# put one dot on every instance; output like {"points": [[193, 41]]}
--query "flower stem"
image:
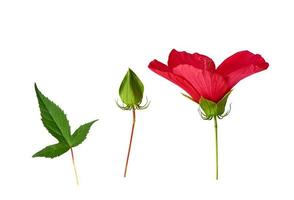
{"points": [[130, 144], [216, 148], [74, 166]]}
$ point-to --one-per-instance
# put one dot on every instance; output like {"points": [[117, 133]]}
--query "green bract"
{"points": [[55, 121], [131, 89], [212, 109]]}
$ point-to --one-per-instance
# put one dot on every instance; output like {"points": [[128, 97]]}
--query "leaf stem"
{"points": [[216, 148], [74, 166], [130, 144]]}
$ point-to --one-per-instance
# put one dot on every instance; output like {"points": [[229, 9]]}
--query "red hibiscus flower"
{"points": [[208, 86], [197, 75]]}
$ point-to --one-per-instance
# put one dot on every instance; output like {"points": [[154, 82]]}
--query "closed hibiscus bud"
{"points": [[131, 90]]}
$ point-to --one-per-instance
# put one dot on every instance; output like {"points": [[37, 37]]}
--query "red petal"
{"points": [[210, 85], [241, 65], [165, 72], [197, 60]]}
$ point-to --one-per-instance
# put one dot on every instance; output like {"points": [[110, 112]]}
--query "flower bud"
{"points": [[131, 90]]}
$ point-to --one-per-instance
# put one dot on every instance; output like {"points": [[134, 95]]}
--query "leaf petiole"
{"points": [[74, 166]]}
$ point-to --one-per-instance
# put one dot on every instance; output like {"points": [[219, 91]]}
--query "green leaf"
{"points": [[209, 107], [52, 151], [57, 124], [81, 133], [53, 118], [131, 89], [221, 105]]}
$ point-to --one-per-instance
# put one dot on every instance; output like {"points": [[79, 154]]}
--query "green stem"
{"points": [[130, 145], [216, 148], [74, 165]]}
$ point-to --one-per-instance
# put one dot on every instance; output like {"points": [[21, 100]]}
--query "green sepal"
{"points": [[208, 107], [81, 133], [221, 105], [187, 96], [131, 89], [212, 109], [52, 151]]}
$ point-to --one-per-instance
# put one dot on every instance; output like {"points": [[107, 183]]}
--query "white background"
{"points": [[78, 53]]}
